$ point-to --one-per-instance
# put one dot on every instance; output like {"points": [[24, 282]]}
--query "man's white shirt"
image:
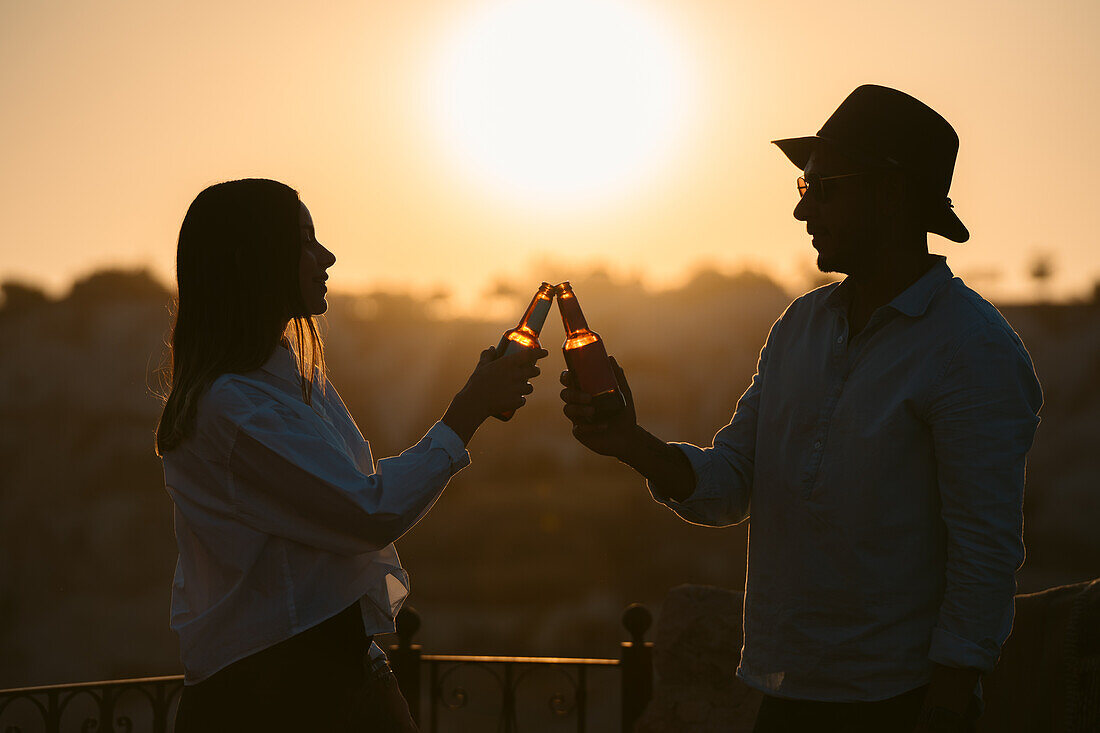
{"points": [[883, 478]]}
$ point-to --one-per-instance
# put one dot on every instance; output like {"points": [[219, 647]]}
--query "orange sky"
{"points": [[117, 113]]}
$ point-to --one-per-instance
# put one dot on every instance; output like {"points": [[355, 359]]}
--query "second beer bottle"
{"points": [[586, 357], [526, 334]]}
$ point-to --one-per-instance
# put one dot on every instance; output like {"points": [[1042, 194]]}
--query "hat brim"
{"points": [[799, 149], [949, 226]]}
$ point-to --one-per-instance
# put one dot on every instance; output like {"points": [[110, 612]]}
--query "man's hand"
{"points": [[496, 385], [613, 435], [950, 690], [621, 437]]}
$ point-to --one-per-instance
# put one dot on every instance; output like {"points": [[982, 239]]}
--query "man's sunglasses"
{"points": [[815, 184]]}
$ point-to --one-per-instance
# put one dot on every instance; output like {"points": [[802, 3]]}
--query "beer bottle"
{"points": [[586, 357], [526, 334]]}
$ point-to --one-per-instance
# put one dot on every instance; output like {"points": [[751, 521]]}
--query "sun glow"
{"points": [[561, 102]]}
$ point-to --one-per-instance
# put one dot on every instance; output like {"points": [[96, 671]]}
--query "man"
{"points": [[879, 449]]}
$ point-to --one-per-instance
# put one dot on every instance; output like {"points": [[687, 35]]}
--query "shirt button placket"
{"points": [[840, 369]]}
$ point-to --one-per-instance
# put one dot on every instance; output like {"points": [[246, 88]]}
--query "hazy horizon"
{"points": [[553, 541]]}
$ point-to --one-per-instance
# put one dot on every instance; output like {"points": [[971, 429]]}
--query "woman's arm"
{"points": [[287, 480]]}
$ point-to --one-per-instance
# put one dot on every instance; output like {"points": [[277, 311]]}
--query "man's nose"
{"points": [[802, 208]]}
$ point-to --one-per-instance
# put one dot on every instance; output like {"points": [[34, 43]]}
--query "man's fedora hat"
{"points": [[882, 127]]}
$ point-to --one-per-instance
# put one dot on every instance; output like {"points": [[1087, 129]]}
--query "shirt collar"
{"points": [[913, 301], [282, 364]]}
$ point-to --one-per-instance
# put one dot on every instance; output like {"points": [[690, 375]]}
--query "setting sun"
{"points": [[560, 102]]}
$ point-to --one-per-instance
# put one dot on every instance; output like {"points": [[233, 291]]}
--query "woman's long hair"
{"points": [[239, 296]]}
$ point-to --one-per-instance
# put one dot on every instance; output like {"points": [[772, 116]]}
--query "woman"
{"points": [[284, 524]]}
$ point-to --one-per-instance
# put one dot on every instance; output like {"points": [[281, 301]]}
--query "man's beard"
{"points": [[842, 256], [830, 263]]}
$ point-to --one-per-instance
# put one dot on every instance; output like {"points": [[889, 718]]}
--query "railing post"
{"points": [[107, 710], [53, 716], [405, 659], [637, 665]]}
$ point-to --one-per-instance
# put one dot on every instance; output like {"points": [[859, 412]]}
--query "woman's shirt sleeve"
{"points": [[287, 479]]}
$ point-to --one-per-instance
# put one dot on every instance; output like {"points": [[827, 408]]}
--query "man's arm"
{"points": [[709, 486], [663, 465], [620, 436], [983, 417]]}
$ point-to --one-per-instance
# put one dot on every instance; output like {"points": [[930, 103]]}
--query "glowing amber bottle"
{"points": [[586, 357], [526, 334]]}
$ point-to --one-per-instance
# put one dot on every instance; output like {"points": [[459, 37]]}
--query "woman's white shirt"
{"points": [[282, 519]]}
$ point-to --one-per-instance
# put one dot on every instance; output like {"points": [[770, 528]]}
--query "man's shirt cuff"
{"points": [[698, 460], [954, 651]]}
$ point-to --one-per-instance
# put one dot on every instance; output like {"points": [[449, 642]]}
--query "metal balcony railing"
{"points": [[110, 706], [445, 692]]}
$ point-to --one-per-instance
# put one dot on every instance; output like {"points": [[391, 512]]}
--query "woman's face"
{"points": [[311, 268]]}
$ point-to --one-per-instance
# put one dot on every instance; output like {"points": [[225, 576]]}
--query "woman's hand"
{"points": [[496, 386]]}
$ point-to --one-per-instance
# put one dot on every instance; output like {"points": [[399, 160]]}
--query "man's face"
{"points": [[841, 217]]}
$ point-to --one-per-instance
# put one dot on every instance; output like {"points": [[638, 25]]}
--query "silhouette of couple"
{"points": [[879, 450]]}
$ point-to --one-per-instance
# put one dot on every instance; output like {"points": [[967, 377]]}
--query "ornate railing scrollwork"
{"points": [[560, 703], [457, 698], [514, 684], [112, 706]]}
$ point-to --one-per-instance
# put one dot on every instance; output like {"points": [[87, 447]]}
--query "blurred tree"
{"points": [[118, 284], [500, 300], [1041, 271], [708, 282], [20, 297], [501, 288], [983, 278], [397, 307]]}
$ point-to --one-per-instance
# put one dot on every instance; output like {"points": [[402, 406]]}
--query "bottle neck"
{"points": [[535, 316], [571, 315]]}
